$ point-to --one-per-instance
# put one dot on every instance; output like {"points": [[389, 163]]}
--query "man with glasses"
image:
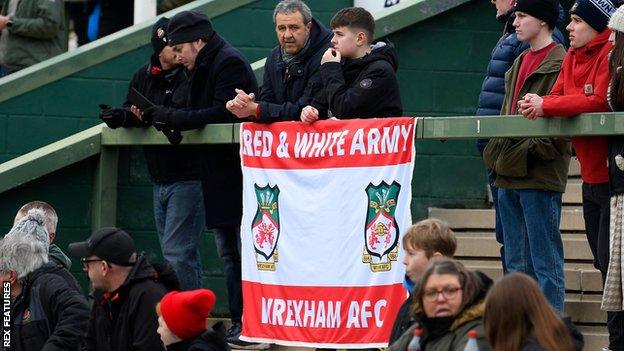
{"points": [[126, 287]]}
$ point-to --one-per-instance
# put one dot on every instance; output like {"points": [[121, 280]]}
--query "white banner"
{"points": [[324, 207]]}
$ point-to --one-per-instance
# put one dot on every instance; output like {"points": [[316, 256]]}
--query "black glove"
{"points": [[174, 136], [113, 117], [160, 117]]}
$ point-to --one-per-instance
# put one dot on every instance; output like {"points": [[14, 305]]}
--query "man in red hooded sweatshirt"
{"points": [[581, 88]]}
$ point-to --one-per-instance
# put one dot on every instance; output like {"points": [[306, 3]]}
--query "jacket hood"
{"points": [[140, 271], [469, 314], [379, 51], [56, 255], [319, 37]]}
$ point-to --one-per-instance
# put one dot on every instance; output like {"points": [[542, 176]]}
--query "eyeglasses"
{"points": [[85, 262], [448, 293]]}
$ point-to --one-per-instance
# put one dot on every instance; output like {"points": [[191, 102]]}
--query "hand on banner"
{"points": [[309, 114], [243, 105], [530, 106], [331, 55]]}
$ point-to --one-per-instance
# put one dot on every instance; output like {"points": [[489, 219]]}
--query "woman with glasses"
{"points": [[448, 303]]}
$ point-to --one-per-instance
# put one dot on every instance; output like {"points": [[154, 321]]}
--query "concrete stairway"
{"points": [[478, 249]]}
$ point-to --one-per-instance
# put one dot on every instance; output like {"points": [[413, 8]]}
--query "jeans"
{"points": [[180, 221], [533, 243], [498, 226], [228, 244], [3, 72], [596, 210]]}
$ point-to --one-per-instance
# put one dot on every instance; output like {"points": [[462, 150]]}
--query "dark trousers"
{"points": [[596, 208]]}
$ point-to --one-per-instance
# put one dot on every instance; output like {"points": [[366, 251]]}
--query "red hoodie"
{"points": [[581, 88]]}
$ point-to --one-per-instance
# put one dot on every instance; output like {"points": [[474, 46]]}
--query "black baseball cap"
{"points": [[110, 244]]}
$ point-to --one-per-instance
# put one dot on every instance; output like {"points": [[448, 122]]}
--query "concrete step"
{"points": [[585, 308], [574, 170], [580, 277], [571, 218], [595, 337], [484, 244], [573, 194]]}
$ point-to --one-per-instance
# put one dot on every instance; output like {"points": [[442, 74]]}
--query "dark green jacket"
{"points": [[57, 255], [457, 336], [38, 33], [530, 163]]}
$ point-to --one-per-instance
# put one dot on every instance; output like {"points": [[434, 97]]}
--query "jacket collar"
{"points": [[594, 46], [206, 55], [552, 61], [469, 314]]}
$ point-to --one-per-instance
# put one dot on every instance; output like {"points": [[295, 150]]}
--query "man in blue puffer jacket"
{"points": [[493, 87]]}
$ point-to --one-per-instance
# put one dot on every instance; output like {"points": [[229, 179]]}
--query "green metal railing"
{"points": [[105, 142]]}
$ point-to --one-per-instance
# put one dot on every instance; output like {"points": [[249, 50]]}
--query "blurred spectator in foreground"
{"points": [[448, 303], [30, 33], [182, 322], [47, 312], [518, 317]]}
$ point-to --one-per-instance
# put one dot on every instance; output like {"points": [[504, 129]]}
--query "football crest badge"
{"points": [[381, 233], [265, 227]]}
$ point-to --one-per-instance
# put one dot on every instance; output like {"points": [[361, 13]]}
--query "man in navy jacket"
{"points": [[291, 71]]}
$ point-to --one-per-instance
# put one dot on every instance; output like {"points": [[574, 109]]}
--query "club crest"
{"points": [[381, 233], [265, 227]]}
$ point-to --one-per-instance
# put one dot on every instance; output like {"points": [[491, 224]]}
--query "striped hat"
{"points": [[595, 12]]}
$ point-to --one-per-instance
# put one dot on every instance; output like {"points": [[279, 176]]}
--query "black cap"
{"points": [[545, 10], [159, 34], [110, 244], [188, 26]]}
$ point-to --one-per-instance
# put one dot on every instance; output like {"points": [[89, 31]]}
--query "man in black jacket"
{"points": [[47, 312], [217, 69], [291, 71], [127, 289], [175, 170]]}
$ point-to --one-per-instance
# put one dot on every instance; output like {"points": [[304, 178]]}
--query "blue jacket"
{"points": [[503, 55], [287, 89]]}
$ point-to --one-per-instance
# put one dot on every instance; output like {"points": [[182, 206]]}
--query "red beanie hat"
{"points": [[185, 312]]}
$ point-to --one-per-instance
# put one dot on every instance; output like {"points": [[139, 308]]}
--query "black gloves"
{"points": [[158, 116], [113, 117], [174, 136]]}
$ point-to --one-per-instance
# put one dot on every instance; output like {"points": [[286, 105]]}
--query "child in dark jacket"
{"points": [[364, 84], [182, 322]]}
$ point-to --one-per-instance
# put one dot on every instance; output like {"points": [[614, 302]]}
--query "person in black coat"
{"points": [[47, 312], [126, 287], [216, 69], [175, 170], [365, 84], [291, 72], [182, 322]]}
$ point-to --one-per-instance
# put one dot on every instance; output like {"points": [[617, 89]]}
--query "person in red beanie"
{"points": [[182, 322]]}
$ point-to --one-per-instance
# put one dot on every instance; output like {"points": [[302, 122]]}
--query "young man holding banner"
{"points": [[364, 84]]}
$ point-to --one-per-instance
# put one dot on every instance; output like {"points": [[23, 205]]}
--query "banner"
{"points": [[324, 209]]}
